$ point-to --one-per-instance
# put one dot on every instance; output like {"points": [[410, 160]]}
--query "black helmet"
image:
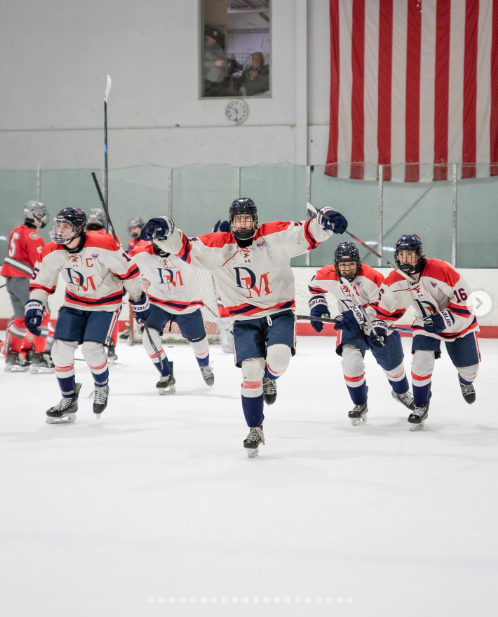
{"points": [[347, 251], [410, 242], [74, 217], [243, 205]]}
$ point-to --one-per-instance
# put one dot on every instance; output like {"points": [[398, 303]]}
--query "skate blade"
{"points": [[97, 415], [16, 369], [36, 371], [360, 420], [163, 391], [67, 419], [417, 427], [252, 453]]}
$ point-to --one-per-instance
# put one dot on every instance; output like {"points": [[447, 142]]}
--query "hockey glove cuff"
{"points": [[378, 334], [352, 320], [318, 308], [438, 322], [141, 308], [158, 228], [331, 220]]}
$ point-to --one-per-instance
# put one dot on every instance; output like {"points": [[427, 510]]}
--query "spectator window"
{"points": [[235, 48]]}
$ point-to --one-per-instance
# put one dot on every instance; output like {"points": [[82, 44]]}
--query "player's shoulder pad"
{"points": [[372, 274], [50, 248], [94, 239], [142, 247], [392, 278], [442, 271], [216, 239], [266, 229], [327, 273]]}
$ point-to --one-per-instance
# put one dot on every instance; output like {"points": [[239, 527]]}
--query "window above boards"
{"points": [[235, 48]]}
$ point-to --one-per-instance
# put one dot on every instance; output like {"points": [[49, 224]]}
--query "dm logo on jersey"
{"points": [[249, 281], [168, 277], [76, 278]]}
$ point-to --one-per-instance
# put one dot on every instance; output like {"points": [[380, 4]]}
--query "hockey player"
{"points": [[174, 295], [24, 250], [95, 270], [439, 296], [134, 227], [356, 287], [251, 267], [96, 222]]}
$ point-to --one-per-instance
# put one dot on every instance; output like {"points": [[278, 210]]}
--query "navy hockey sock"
{"points": [[359, 394], [253, 410], [401, 386]]}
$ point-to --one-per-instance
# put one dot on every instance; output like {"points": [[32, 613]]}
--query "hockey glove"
{"points": [[222, 226], [141, 308], [33, 315], [318, 308], [438, 322], [352, 320], [378, 334], [329, 219], [159, 228]]}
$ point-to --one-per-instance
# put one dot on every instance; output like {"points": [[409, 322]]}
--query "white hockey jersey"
{"points": [[172, 283], [365, 287], [439, 287], [94, 276], [255, 281]]}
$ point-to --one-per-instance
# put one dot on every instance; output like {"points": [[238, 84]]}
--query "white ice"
{"points": [[158, 500]]}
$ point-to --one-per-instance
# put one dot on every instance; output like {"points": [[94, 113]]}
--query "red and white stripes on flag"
{"points": [[414, 87]]}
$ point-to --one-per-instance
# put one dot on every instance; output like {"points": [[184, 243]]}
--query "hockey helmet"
{"points": [[410, 242], [68, 225], [136, 221], [243, 205], [96, 219], [36, 211], [347, 251]]}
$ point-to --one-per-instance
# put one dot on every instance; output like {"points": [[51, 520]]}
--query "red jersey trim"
{"points": [[272, 228], [48, 290], [371, 274], [327, 273], [146, 247], [217, 239], [440, 270]]}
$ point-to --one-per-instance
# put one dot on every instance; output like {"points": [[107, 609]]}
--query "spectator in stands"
{"points": [[255, 79], [214, 62]]}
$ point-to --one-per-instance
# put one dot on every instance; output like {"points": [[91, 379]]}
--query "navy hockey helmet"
{"points": [[410, 242], [347, 251], [68, 225], [96, 219], [36, 211], [136, 221], [243, 205]]}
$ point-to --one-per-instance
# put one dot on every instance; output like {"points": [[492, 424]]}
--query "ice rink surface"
{"points": [[155, 509]]}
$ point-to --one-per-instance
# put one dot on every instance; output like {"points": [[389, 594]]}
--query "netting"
{"points": [[209, 311]]}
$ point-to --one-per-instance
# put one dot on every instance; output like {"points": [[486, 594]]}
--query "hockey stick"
{"points": [[106, 178], [337, 320], [156, 351], [4, 285], [312, 212], [104, 205]]}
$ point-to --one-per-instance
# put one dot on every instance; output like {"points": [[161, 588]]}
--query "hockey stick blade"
{"points": [[108, 89]]}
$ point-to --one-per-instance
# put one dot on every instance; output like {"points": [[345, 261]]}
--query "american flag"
{"points": [[414, 87]]}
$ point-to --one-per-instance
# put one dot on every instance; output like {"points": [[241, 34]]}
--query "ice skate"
{"points": [[41, 363], [16, 363], [111, 354], [468, 392], [65, 411], [269, 390], [166, 384], [405, 399], [418, 417], [125, 335], [101, 395], [207, 375], [358, 414], [252, 441]]}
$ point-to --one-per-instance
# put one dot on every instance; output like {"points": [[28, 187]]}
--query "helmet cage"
{"points": [[410, 243], [243, 205], [347, 251], [56, 234]]}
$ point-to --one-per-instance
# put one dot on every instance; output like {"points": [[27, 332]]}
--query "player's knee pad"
{"points": [[277, 359], [156, 339], [63, 352], [94, 354], [469, 373], [422, 367], [352, 361], [253, 369]]}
